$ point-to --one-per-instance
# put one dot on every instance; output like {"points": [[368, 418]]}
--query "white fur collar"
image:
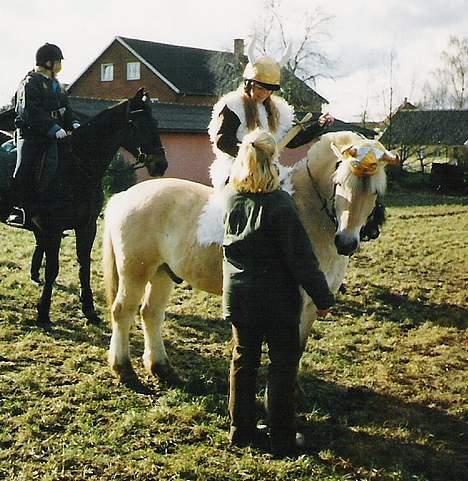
{"points": [[210, 223], [233, 100]]}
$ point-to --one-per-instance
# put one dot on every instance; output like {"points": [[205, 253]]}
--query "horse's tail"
{"points": [[108, 262]]}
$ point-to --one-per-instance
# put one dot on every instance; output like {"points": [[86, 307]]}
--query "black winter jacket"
{"points": [[42, 107], [267, 257]]}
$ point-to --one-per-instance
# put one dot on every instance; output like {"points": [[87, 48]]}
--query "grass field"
{"points": [[385, 376]]}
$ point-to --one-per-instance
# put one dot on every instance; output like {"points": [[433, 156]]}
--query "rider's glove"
{"points": [[60, 134]]}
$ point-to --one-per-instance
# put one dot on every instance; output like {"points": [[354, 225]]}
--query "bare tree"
{"points": [[305, 30], [304, 33], [281, 26], [447, 88], [227, 71]]}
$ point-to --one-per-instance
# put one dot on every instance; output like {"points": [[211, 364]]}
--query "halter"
{"points": [[331, 214], [138, 164], [141, 159]]}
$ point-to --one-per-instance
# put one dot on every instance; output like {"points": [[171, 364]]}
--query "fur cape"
{"points": [[221, 166]]}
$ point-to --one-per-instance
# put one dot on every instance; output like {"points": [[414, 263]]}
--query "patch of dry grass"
{"points": [[384, 376]]}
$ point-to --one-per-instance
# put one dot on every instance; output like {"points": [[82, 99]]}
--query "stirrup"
{"points": [[17, 218]]}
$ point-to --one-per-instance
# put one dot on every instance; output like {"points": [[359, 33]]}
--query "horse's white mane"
{"points": [[376, 183]]}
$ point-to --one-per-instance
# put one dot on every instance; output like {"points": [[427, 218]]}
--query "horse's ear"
{"points": [[140, 94], [347, 151], [336, 151]]}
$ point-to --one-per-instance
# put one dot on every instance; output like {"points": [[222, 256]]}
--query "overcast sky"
{"points": [[363, 36]]}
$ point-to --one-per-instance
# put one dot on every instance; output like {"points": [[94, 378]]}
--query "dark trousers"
{"points": [[284, 354], [32, 156]]}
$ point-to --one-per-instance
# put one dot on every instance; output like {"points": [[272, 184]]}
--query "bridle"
{"points": [[141, 160], [330, 211]]}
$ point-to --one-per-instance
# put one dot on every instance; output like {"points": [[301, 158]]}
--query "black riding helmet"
{"points": [[48, 52]]}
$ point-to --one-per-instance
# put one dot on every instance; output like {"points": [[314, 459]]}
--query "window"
{"points": [[107, 72], [133, 71]]}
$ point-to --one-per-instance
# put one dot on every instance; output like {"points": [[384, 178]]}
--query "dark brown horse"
{"points": [[74, 197]]}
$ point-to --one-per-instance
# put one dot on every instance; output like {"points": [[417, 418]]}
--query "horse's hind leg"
{"points": [[51, 242], [123, 312], [155, 359]]}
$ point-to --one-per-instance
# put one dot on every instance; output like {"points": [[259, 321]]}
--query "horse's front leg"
{"points": [[36, 260], [308, 316], [84, 244], [51, 243]]}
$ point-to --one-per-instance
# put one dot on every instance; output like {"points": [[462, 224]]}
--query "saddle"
{"points": [[46, 169], [43, 176]]}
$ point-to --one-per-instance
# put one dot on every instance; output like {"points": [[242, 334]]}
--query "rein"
{"points": [[140, 161], [331, 214]]}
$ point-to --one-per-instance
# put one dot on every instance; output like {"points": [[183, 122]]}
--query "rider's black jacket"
{"points": [[41, 107]]}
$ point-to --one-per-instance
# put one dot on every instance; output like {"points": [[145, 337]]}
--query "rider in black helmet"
{"points": [[42, 117]]}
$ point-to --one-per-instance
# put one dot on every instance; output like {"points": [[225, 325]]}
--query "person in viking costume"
{"points": [[43, 116], [254, 105]]}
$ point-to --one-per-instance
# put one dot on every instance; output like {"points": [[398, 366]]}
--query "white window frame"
{"points": [[107, 72], [133, 70]]}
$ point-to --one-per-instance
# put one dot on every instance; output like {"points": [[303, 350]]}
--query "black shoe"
{"points": [[282, 448], [255, 438], [17, 218]]}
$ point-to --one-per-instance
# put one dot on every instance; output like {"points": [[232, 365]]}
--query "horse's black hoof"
{"points": [[126, 374], [44, 323], [166, 374], [93, 318], [36, 280]]}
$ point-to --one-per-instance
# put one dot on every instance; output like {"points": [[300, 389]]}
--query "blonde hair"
{"points": [[253, 170]]}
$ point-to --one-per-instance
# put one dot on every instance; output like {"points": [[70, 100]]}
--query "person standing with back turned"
{"points": [[267, 257]]}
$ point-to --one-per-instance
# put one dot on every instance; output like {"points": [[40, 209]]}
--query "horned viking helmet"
{"points": [[264, 70], [364, 159]]}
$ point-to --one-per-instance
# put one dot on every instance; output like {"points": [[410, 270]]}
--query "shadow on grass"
{"points": [[399, 308], [365, 431], [202, 371], [380, 432]]}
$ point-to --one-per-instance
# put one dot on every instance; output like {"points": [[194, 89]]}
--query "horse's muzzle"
{"points": [[345, 245], [156, 164]]}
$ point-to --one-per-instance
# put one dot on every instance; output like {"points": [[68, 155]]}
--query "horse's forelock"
{"points": [[373, 184]]}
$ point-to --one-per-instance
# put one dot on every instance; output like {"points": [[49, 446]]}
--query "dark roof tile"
{"points": [[427, 127], [186, 68], [171, 117]]}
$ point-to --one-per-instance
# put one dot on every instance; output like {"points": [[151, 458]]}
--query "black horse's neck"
{"points": [[95, 143]]}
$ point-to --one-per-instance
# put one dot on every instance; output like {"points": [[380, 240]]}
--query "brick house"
{"points": [[181, 82], [171, 73]]}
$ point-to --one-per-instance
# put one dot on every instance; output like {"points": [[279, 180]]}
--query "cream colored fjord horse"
{"points": [[150, 239]]}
